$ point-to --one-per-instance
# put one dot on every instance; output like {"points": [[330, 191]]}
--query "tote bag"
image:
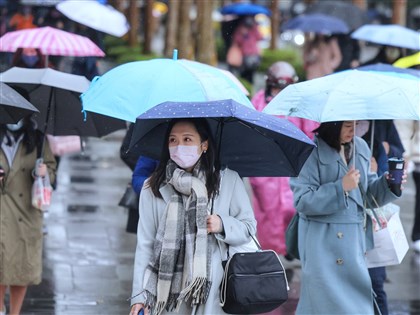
{"points": [[390, 241]]}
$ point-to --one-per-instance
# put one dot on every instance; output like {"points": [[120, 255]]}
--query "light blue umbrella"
{"points": [[127, 91], [351, 95], [389, 35]]}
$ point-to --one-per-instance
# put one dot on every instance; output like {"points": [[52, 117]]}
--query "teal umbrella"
{"points": [[129, 90]]}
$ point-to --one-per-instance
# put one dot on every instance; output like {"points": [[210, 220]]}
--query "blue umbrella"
{"points": [[390, 68], [129, 90], [350, 95], [249, 142], [317, 23], [241, 8], [390, 35]]}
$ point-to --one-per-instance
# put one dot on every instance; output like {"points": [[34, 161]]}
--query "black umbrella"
{"points": [[249, 142], [13, 106], [57, 96], [352, 15]]}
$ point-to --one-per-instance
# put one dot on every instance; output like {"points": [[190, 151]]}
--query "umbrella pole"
{"points": [[46, 121], [354, 145], [372, 133], [219, 142]]}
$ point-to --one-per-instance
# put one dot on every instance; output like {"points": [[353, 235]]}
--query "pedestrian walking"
{"points": [[321, 55], [246, 37], [409, 132], [21, 223], [334, 232], [188, 210], [272, 198]]}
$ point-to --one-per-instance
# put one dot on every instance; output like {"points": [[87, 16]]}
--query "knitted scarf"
{"points": [[181, 265]]}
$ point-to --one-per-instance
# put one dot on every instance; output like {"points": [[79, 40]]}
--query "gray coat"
{"points": [[232, 205], [332, 232]]}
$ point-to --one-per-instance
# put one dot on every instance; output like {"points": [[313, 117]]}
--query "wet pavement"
{"points": [[88, 256]]}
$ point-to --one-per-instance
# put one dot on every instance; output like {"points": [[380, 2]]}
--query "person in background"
{"points": [[334, 232], [321, 55], [386, 54], [272, 198], [21, 223], [409, 131], [142, 167], [28, 58], [246, 36], [189, 211], [23, 19], [350, 52]]}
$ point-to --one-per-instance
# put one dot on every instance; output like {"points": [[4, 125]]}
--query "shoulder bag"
{"points": [[253, 282]]}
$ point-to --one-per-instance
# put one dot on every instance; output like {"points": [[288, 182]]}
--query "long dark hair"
{"points": [[31, 137], [18, 61], [330, 132], [207, 160]]}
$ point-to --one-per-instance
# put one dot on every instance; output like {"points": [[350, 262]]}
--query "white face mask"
{"points": [[362, 127], [185, 156], [15, 127]]}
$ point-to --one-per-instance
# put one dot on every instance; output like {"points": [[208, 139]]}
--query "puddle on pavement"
{"points": [[82, 208], [81, 179]]}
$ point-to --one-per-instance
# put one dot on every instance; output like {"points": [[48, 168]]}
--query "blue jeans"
{"points": [[378, 277]]}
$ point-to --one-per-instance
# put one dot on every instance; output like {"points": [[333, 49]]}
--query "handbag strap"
{"points": [[227, 245], [367, 204]]}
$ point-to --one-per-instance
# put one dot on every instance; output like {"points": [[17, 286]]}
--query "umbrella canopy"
{"points": [[350, 95], [317, 23], [13, 106], [57, 96], [242, 8], [129, 90], [101, 17], [249, 142], [408, 61], [352, 15], [51, 41], [390, 35], [389, 68], [46, 3]]}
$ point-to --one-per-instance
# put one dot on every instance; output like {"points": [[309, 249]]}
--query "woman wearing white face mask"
{"points": [[20, 223], [186, 207]]}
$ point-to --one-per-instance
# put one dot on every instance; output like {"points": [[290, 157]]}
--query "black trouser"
{"points": [[415, 234]]}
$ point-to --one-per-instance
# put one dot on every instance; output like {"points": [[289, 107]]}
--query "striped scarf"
{"points": [[180, 268]]}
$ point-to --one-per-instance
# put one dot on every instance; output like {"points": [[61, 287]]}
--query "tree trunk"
{"points": [[133, 14], [148, 27], [399, 9], [205, 40], [185, 43], [275, 22], [171, 27]]}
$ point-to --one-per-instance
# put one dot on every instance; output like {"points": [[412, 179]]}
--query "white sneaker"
{"points": [[4, 310], [415, 246]]}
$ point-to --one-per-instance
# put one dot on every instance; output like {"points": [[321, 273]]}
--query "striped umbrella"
{"points": [[50, 41]]}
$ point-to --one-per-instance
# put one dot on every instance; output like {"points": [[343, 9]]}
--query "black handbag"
{"points": [[292, 237], [130, 199], [253, 282]]}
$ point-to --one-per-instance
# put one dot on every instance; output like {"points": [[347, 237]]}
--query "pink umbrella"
{"points": [[50, 41]]}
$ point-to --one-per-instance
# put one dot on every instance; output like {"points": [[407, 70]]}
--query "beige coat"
{"points": [[20, 223], [409, 132]]}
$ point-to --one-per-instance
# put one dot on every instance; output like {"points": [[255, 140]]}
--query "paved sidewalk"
{"points": [[88, 256]]}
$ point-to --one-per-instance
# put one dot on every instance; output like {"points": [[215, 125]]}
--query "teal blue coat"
{"points": [[333, 232]]}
